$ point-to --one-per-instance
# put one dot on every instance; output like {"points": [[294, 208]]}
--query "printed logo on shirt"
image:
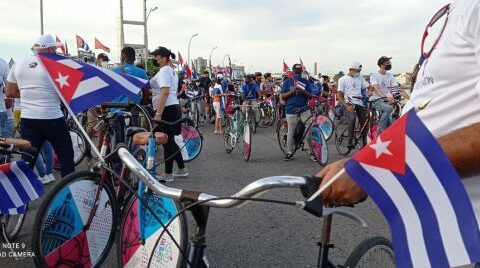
{"points": [[427, 80], [354, 85], [34, 64]]}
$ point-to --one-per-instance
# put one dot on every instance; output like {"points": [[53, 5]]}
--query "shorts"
{"points": [[218, 110]]}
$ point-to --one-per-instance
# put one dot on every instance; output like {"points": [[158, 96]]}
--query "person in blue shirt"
{"points": [[296, 92], [127, 66], [251, 93]]}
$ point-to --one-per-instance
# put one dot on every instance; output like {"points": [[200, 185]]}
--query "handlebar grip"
{"points": [[29, 150], [116, 105]]}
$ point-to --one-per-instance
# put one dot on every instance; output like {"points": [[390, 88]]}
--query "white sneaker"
{"points": [[181, 173], [45, 180], [51, 177]]}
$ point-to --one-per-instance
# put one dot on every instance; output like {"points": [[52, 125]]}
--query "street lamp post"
{"points": [[41, 17], [145, 30], [210, 60], [189, 43]]}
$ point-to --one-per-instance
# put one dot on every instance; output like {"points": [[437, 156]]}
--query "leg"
{"points": [[118, 126], [40, 166], [292, 120], [56, 131], [8, 131], [352, 118], [31, 131], [3, 123], [386, 110], [362, 118], [47, 151], [307, 118]]}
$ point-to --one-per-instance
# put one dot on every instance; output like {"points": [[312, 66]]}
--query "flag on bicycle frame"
{"points": [[407, 174], [84, 85], [19, 185]]}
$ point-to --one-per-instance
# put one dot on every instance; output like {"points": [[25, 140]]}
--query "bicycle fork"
{"points": [[324, 243]]}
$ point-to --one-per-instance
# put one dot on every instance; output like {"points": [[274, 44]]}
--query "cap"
{"points": [[383, 59], [297, 66], [46, 41], [219, 76], [103, 56], [163, 51], [355, 65], [316, 77]]}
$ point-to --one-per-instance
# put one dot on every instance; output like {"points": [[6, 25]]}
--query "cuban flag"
{"points": [[194, 71], [411, 180], [180, 58], [83, 85], [299, 84], [19, 185], [285, 67], [82, 44]]}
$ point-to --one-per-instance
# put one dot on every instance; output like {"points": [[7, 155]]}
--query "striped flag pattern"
{"points": [[19, 185], [82, 44], [84, 85], [409, 177]]}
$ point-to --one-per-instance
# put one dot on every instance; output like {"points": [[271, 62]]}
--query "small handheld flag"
{"points": [[99, 45], [82, 44]]}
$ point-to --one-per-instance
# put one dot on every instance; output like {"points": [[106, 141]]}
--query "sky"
{"points": [[256, 34]]}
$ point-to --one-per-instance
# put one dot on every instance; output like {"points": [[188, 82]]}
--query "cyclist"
{"points": [[218, 103], [296, 92], [204, 85], [251, 93], [267, 86], [349, 87], [6, 125], [381, 82], [258, 78], [453, 114]]}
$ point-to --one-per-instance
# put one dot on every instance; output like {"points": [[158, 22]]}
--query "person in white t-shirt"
{"points": [[167, 107], [42, 118], [383, 82], [453, 114], [349, 95], [6, 125]]}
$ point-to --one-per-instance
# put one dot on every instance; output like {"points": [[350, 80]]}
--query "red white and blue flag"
{"points": [[180, 58], [411, 180], [82, 44], [84, 85], [18, 187], [299, 84], [285, 67], [303, 65], [194, 71], [187, 70]]}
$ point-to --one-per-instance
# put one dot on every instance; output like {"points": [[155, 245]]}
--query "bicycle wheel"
{"points": [[190, 142], [13, 225], [61, 236], [326, 125], [132, 252], [341, 141], [228, 135], [79, 148], [318, 144], [372, 252], [247, 141], [282, 131]]}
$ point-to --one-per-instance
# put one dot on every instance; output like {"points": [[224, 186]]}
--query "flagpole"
{"points": [[75, 119]]}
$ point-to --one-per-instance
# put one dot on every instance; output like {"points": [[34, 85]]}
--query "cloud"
{"points": [[258, 33]]}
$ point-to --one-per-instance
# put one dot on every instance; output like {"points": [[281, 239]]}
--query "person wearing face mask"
{"points": [[102, 60], [41, 116], [349, 87], [382, 81], [167, 107]]}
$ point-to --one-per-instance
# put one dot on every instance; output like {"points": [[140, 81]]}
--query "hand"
{"points": [[390, 99], [342, 191], [157, 117], [349, 108]]}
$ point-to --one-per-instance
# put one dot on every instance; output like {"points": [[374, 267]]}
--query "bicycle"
{"points": [[322, 112], [371, 122], [235, 130], [78, 219], [313, 134], [10, 225], [194, 112], [199, 204], [267, 111]]}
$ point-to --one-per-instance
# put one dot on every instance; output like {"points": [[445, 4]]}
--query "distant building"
{"points": [[200, 64], [238, 72]]}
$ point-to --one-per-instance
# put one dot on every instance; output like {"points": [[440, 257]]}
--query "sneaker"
{"points": [[45, 180], [51, 177], [181, 173], [288, 157], [165, 178], [313, 158]]}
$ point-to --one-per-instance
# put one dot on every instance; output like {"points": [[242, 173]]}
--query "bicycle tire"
{"points": [[130, 253], [190, 142], [247, 142], [13, 225], [326, 125], [318, 145], [79, 147], [227, 136], [282, 132], [367, 246], [59, 235], [341, 141]]}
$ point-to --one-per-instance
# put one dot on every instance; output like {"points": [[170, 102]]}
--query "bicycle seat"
{"points": [[141, 138], [131, 131]]}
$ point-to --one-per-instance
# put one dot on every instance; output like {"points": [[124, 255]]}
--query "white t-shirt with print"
{"points": [[39, 97], [166, 77], [352, 86], [4, 69], [386, 82], [451, 79]]}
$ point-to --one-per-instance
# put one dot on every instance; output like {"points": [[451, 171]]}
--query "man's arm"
{"points": [[12, 90]]}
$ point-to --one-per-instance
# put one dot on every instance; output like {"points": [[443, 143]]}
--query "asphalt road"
{"points": [[257, 234]]}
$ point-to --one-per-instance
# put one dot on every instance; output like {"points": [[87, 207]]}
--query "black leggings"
{"points": [[171, 114]]}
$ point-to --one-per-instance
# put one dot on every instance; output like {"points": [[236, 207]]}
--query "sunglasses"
{"points": [[444, 11]]}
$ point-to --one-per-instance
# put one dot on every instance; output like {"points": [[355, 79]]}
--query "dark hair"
{"points": [[325, 77], [128, 54], [267, 75], [164, 52]]}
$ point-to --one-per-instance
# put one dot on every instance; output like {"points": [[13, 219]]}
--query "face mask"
{"points": [[356, 75], [104, 64], [155, 63], [388, 67]]}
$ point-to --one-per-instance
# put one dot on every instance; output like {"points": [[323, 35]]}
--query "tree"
{"points": [[152, 70], [338, 76]]}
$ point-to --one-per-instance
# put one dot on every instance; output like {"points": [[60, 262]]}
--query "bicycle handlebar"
{"points": [[119, 105], [254, 189]]}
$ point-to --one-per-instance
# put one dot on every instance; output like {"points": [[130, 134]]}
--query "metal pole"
{"points": [[189, 43], [145, 36], [210, 59], [122, 36], [41, 17]]}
